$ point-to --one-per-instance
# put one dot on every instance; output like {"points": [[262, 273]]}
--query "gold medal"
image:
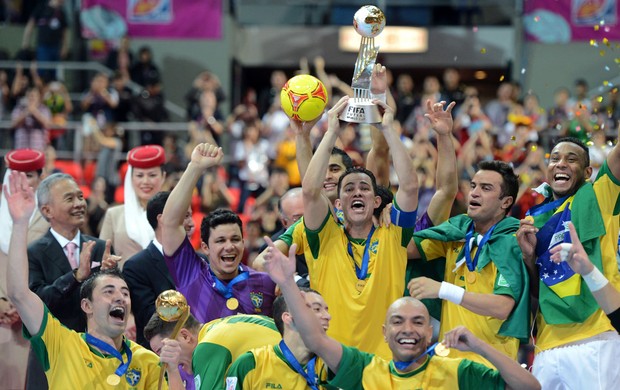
{"points": [[113, 380], [359, 285], [471, 277], [529, 218], [232, 303], [441, 350]]}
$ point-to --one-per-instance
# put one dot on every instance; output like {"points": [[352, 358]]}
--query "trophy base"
{"points": [[361, 111]]}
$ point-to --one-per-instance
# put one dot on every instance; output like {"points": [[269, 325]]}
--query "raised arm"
{"points": [[378, 159], [515, 376], [316, 205], [20, 199], [281, 269], [407, 194], [303, 144], [446, 178], [613, 160], [203, 157]]}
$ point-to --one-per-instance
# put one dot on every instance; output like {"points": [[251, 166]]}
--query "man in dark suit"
{"points": [[56, 269], [146, 272]]}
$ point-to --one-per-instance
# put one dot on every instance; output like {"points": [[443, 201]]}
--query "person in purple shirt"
{"points": [[221, 287]]}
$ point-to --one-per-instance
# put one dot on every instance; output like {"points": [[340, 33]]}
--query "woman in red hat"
{"points": [[126, 225]]}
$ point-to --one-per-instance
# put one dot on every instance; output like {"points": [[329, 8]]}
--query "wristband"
{"points": [[452, 293], [595, 280]]}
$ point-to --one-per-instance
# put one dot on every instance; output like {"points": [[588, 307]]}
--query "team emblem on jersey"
{"points": [[133, 376], [257, 301], [373, 247], [88, 363]]}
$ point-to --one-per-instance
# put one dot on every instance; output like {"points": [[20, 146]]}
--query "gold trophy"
{"points": [[368, 21], [171, 306]]}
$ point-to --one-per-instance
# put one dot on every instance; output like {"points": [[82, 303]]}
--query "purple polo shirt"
{"points": [[192, 278], [423, 223]]}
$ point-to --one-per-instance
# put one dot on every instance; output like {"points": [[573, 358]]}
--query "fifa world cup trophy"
{"points": [[368, 21]]}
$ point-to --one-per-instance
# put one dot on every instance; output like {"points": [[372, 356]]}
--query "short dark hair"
{"points": [[155, 206], [158, 327], [280, 307], [510, 181], [216, 218], [365, 171], [346, 159], [88, 286], [386, 198], [579, 143]]}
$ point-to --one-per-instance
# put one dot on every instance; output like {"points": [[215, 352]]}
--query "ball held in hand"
{"points": [[303, 97]]}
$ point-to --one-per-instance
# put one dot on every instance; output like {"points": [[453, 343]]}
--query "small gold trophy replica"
{"points": [[171, 305], [368, 21]]}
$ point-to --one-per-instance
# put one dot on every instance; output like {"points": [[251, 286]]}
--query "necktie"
{"points": [[71, 250]]}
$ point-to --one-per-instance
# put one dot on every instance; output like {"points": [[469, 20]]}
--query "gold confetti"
{"points": [[534, 147], [605, 83], [513, 138], [606, 42], [596, 27], [501, 78], [547, 155], [483, 51], [589, 143], [615, 90], [599, 99], [601, 53], [592, 42], [617, 60]]}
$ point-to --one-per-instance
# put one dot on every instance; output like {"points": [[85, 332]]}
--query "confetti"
{"points": [[578, 128], [596, 27], [589, 143], [606, 29], [537, 18], [522, 70], [601, 53], [607, 68], [599, 99], [534, 148], [605, 83], [615, 90], [501, 78], [593, 43], [547, 155], [513, 138], [617, 60], [483, 51], [475, 29], [610, 143], [602, 22], [606, 41]]}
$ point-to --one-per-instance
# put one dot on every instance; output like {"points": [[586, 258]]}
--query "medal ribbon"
{"points": [[545, 206], [226, 290], [109, 349], [309, 375], [430, 351], [363, 271], [471, 264]]}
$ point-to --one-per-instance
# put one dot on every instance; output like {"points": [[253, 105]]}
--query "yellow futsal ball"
{"points": [[303, 98]]}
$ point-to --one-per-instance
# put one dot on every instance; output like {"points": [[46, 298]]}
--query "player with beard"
{"points": [[570, 323], [408, 333]]}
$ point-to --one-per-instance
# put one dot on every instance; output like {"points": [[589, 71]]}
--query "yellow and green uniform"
{"points": [[360, 370], [444, 244], [222, 341], [266, 368], [358, 313], [71, 363], [568, 311]]}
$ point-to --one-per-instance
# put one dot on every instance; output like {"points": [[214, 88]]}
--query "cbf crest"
{"points": [[373, 247], [257, 301], [133, 376]]}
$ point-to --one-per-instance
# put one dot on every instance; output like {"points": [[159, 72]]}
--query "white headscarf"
{"points": [[6, 222], [136, 223]]}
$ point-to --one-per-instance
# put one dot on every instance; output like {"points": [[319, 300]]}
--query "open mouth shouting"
{"points": [[358, 205], [117, 313]]}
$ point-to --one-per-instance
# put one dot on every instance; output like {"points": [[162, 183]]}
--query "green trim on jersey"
{"points": [[36, 343], [472, 374], [313, 236], [210, 361], [287, 236], [241, 368], [252, 319]]}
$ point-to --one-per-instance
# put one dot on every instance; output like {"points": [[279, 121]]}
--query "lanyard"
{"points": [[471, 264], [107, 348], [227, 290], [363, 271], [401, 366], [309, 375], [545, 206]]}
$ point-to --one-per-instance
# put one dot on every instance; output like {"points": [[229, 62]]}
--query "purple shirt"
{"points": [[423, 223], [193, 279]]}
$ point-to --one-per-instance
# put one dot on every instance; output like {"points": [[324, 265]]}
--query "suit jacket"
{"points": [[113, 228], [147, 276], [51, 278]]}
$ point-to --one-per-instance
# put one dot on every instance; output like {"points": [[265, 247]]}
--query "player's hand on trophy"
{"points": [[378, 83], [388, 114]]}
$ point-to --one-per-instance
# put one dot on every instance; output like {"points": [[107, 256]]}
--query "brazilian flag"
{"points": [[563, 296], [501, 248]]}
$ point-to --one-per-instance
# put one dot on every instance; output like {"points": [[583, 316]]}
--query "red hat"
{"points": [[147, 156], [25, 160]]}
